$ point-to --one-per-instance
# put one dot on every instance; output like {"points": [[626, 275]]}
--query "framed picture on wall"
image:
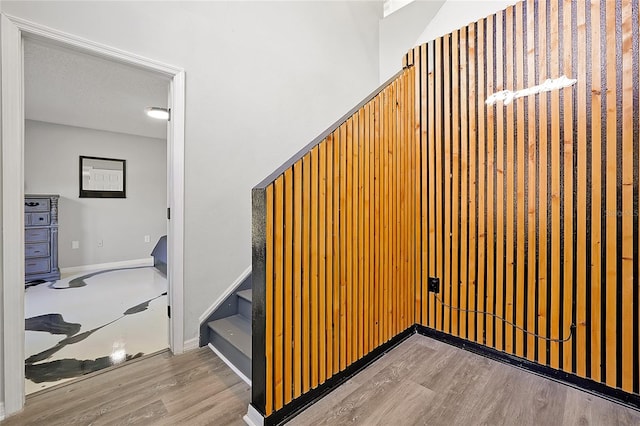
{"points": [[102, 177]]}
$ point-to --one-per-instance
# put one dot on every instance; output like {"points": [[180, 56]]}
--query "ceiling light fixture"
{"points": [[157, 112]]}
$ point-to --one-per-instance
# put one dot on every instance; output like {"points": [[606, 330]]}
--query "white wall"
{"points": [[423, 21], [51, 167], [263, 79], [399, 31], [456, 14]]}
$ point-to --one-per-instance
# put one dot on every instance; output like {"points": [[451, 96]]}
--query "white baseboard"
{"points": [[224, 295], [253, 417], [147, 261], [1, 411], [191, 344], [231, 366]]}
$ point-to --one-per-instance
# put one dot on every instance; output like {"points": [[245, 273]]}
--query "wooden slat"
{"points": [[556, 146], [361, 280], [344, 258], [425, 214], [431, 147], [520, 226], [377, 222], [446, 108], [278, 296], [306, 271], [490, 191], [499, 183], [477, 144], [627, 201], [542, 186], [532, 293], [337, 253], [568, 278], [288, 285], [331, 259], [611, 170], [581, 201], [509, 176], [438, 161], [455, 181], [322, 262], [313, 291], [297, 279], [464, 183], [596, 197]]}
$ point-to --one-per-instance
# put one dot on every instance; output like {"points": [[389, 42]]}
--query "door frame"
{"points": [[13, 31]]}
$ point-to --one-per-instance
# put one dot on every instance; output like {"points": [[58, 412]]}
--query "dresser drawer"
{"points": [[36, 235], [37, 266], [37, 205], [35, 219], [36, 249]]}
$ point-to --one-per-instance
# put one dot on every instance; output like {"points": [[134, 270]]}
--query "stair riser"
{"points": [[233, 354], [244, 307]]}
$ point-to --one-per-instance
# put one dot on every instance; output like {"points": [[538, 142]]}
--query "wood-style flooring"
{"points": [[422, 381]]}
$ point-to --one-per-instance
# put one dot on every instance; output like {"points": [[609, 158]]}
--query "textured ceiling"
{"points": [[67, 87]]}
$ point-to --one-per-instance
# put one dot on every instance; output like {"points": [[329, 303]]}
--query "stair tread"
{"points": [[236, 329], [246, 294]]}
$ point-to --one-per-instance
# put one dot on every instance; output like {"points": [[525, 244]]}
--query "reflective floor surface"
{"points": [[91, 320]]}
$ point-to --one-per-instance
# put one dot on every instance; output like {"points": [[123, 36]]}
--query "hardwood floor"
{"points": [[422, 381], [426, 382]]}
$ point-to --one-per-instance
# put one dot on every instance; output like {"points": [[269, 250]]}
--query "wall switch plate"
{"points": [[433, 285], [100, 243], [147, 238], [75, 244]]}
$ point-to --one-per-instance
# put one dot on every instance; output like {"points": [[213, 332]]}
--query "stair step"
{"points": [[246, 294], [232, 337], [244, 303]]}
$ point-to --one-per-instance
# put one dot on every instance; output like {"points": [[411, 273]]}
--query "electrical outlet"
{"points": [[433, 285], [100, 243], [75, 244], [147, 238]]}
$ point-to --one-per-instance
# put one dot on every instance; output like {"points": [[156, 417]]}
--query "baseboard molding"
{"points": [[1, 411], [147, 261], [253, 417], [228, 292], [191, 344], [230, 364]]}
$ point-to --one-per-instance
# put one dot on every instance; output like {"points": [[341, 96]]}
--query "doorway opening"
{"points": [[15, 34], [95, 173]]}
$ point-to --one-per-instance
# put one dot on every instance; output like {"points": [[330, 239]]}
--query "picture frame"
{"points": [[102, 177]]}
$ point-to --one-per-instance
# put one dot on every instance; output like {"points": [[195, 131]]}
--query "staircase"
{"points": [[228, 330]]}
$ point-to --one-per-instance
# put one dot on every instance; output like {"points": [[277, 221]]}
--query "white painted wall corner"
{"points": [[253, 417], [228, 292], [191, 344]]}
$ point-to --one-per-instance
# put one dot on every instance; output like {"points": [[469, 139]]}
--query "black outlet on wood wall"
{"points": [[433, 285]]}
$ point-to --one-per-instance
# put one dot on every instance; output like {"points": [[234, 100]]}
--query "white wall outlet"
{"points": [[100, 243], [147, 238], [75, 244]]}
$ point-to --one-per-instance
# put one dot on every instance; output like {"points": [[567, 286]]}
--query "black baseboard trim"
{"points": [[613, 394], [304, 401]]}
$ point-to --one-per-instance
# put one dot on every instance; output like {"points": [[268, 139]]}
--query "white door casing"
{"points": [[12, 32]]}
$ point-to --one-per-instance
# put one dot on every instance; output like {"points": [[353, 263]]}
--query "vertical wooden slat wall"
{"points": [[529, 210], [528, 213], [342, 246]]}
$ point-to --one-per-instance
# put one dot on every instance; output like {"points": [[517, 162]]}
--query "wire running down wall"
{"points": [[530, 210]]}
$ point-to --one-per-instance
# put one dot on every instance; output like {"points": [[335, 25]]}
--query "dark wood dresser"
{"points": [[41, 238]]}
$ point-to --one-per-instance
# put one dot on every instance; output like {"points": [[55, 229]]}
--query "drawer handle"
{"points": [[37, 251], [32, 204], [41, 218]]}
